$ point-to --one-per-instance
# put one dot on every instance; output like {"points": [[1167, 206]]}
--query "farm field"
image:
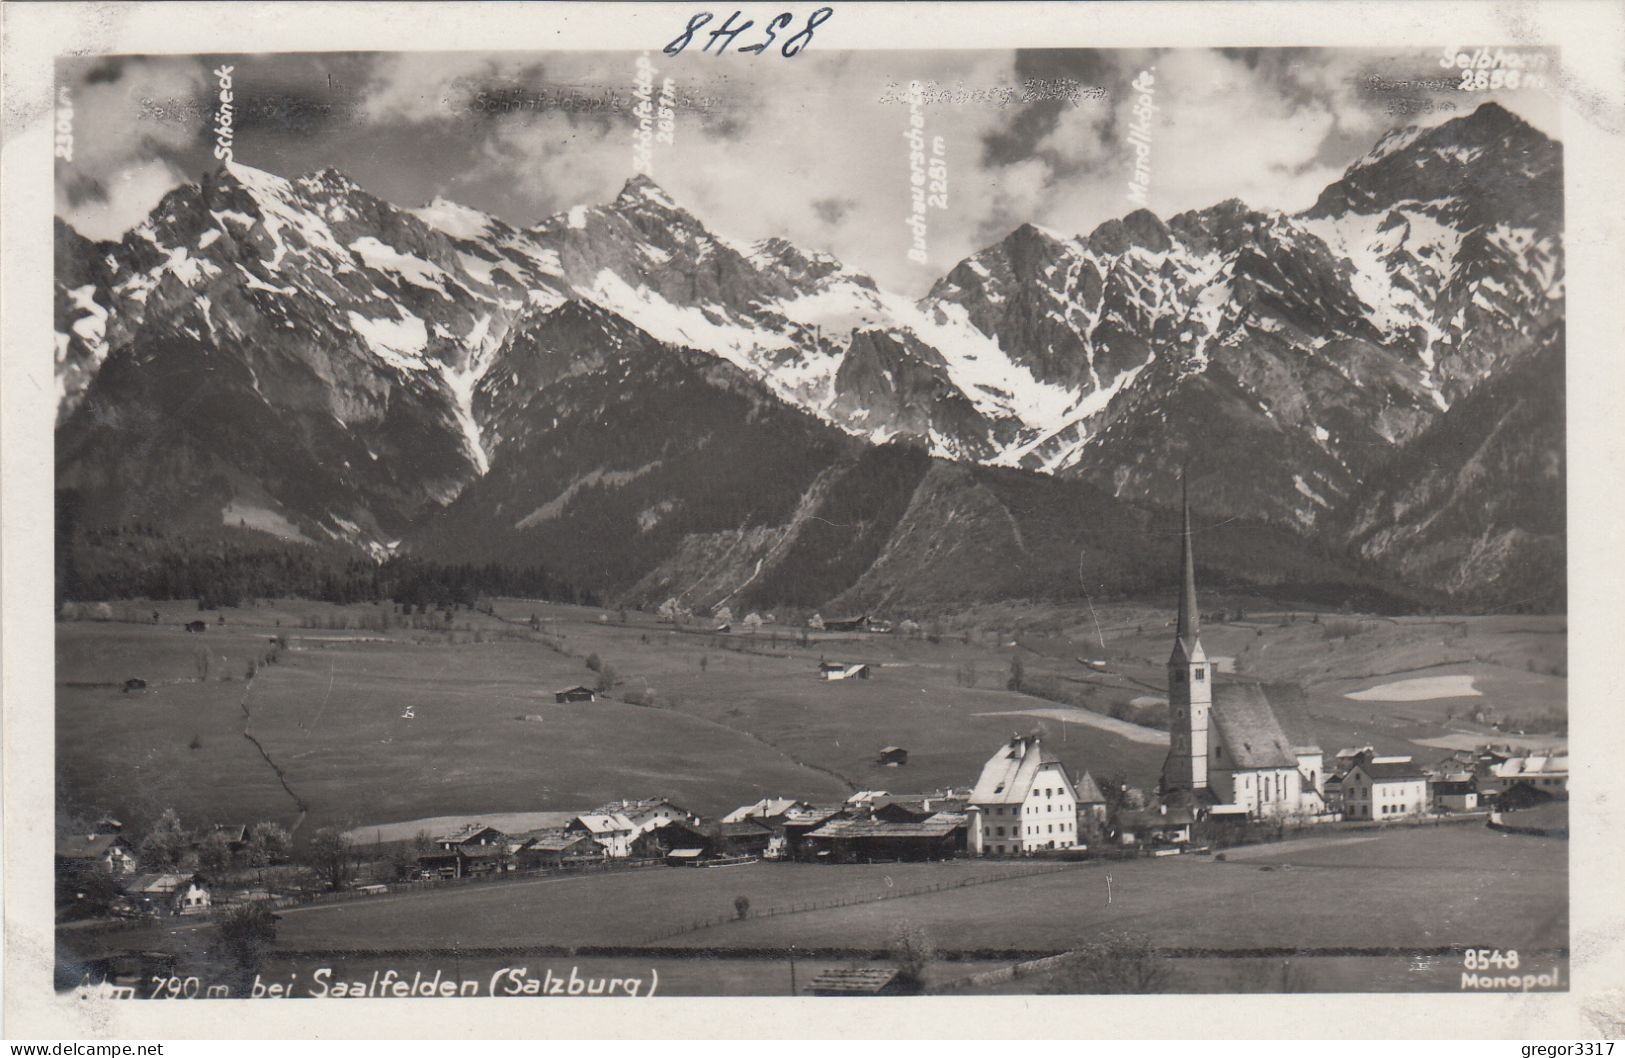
{"points": [[1420, 888], [372, 723], [1384, 892]]}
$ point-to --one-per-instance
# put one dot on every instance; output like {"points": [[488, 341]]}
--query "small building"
{"points": [[893, 757], [1163, 825], [578, 693], [1547, 773], [134, 683], [1091, 802], [95, 853], [1384, 788], [236, 835], [196, 627], [612, 830], [553, 847], [746, 837], [847, 624], [1456, 792], [868, 981], [842, 670], [176, 894]]}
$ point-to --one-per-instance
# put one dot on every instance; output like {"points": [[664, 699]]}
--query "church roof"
{"points": [[1008, 775], [1291, 704], [1249, 729]]}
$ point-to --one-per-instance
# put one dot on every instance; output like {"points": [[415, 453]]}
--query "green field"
{"points": [[371, 727]]}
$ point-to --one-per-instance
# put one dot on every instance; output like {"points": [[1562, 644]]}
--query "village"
{"points": [[1242, 767]]}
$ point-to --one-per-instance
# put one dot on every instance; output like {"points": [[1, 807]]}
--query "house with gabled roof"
{"points": [[1092, 809], [1023, 801], [612, 830], [101, 853], [1384, 788], [1234, 748], [770, 810]]}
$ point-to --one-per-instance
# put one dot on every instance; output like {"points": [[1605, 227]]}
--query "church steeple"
{"points": [[1187, 633], [1190, 690]]}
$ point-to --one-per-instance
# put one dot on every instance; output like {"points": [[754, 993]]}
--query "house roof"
{"points": [[812, 816], [604, 822], [158, 884], [467, 831], [1291, 704], [1087, 791], [866, 981], [1008, 775], [1149, 817], [1249, 729], [937, 826], [549, 840], [86, 846], [1389, 771], [744, 828], [1188, 630], [766, 808], [572, 690]]}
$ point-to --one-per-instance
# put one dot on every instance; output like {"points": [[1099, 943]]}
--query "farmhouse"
{"points": [[99, 853], [1234, 745], [612, 830], [1162, 825], [769, 810], [179, 894], [842, 670], [893, 757], [553, 848], [1384, 788], [577, 693], [746, 837], [1025, 800], [472, 835], [1455, 792], [1549, 774], [847, 624], [939, 836], [648, 812]]}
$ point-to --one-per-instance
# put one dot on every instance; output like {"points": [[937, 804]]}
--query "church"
{"points": [[1236, 749]]}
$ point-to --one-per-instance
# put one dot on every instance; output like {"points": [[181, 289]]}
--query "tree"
{"points": [[202, 661], [403, 859], [816, 622], [753, 621], [606, 679], [165, 844], [724, 615], [1018, 673], [595, 663], [741, 906], [268, 843], [214, 854], [244, 933], [422, 842], [1119, 963], [912, 950], [332, 856]]}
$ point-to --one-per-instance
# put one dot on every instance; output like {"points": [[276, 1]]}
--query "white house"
{"points": [[1547, 773], [842, 670], [178, 893], [768, 808], [1384, 788], [612, 830], [1023, 801]]}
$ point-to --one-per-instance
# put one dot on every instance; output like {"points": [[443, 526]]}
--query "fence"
{"points": [[891, 894]]}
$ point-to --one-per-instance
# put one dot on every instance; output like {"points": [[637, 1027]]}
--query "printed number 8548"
{"points": [[1491, 959]]}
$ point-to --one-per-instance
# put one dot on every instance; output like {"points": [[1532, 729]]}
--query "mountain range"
{"points": [[1366, 395]]}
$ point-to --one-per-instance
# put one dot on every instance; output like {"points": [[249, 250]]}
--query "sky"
{"points": [[812, 150]]}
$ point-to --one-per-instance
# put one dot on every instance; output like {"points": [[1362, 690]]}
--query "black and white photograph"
{"points": [[743, 515]]}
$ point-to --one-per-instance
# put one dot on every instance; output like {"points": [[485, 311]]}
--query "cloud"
{"points": [[131, 119], [832, 210], [125, 199]]}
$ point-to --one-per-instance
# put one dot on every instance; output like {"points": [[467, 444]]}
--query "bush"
{"points": [[912, 950], [1117, 964], [741, 906], [595, 663]]}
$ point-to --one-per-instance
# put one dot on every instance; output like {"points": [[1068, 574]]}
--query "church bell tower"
{"points": [[1190, 679]]}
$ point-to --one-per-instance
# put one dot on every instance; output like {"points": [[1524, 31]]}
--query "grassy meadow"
{"points": [[371, 722]]}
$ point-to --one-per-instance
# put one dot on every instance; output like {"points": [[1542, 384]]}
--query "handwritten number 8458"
{"points": [[725, 34]]}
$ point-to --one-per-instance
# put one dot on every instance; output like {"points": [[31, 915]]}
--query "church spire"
{"points": [[1190, 619]]}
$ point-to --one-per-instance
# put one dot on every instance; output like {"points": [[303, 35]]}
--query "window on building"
{"points": [[1001, 832], [1201, 672], [1179, 675]]}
